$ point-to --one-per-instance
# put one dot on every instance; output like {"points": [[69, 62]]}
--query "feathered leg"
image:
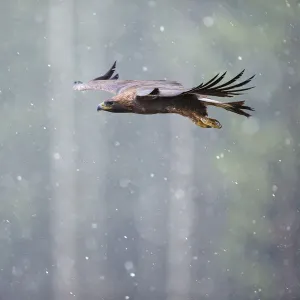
{"points": [[197, 113], [206, 122]]}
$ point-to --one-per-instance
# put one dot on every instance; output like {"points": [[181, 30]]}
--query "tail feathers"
{"points": [[237, 107]]}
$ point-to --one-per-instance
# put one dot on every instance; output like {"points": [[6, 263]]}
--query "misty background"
{"points": [[106, 206]]}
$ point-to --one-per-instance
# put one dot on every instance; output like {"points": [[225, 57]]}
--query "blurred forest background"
{"points": [[102, 206]]}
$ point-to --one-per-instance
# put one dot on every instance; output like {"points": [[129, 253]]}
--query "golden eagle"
{"points": [[165, 96]]}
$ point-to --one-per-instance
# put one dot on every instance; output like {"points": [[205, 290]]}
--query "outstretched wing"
{"points": [[210, 88], [104, 82], [151, 89], [120, 86], [112, 85]]}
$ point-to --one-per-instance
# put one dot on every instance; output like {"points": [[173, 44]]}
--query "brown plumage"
{"points": [[165, 96]]}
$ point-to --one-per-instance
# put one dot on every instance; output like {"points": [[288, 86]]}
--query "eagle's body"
{"points": [[164, 96]]}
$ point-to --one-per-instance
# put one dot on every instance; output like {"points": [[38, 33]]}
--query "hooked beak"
{"points": [[102, 106]]}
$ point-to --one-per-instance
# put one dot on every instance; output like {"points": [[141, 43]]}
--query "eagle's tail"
{"points": [[237, 107]]}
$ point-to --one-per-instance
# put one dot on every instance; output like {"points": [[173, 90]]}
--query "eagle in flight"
{"points": [[165, 96]]}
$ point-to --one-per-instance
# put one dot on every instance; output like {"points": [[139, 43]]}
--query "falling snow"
{"points": [[118, 216], [220, 156], [208, 21], [56, 156]]}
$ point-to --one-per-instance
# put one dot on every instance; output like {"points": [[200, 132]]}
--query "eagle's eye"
{"points": [[109, 103]]}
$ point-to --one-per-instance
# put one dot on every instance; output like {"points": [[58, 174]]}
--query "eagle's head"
{"points": [[113, 106]]}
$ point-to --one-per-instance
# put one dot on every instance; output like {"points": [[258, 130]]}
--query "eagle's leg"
{"points": [[199, 123], [207, 122], [211, 122]]}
